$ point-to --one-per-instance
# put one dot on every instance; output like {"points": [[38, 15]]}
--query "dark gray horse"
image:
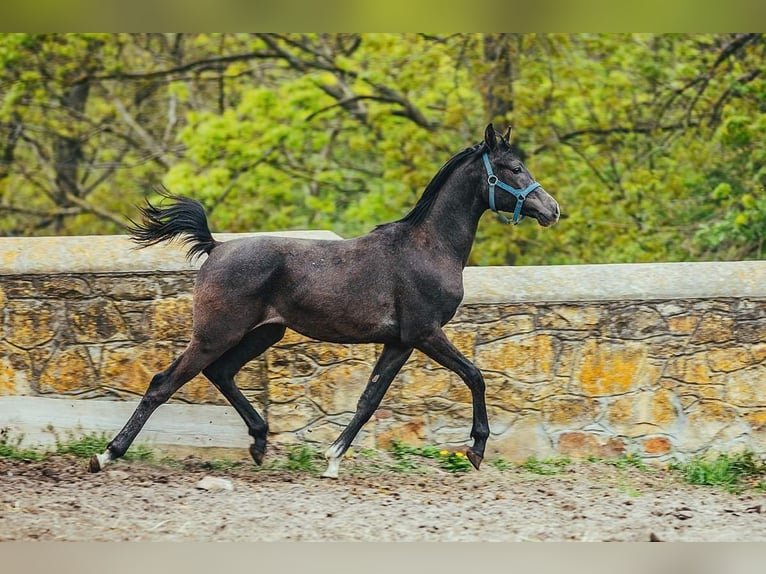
{"points": [[397, 285]]}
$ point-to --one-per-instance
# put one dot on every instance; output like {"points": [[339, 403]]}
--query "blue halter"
{"points": [[519, 194]]}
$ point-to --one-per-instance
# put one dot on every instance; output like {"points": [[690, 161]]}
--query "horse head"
{"points": [[508, 186]]}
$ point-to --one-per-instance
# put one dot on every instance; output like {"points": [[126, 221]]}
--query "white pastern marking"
{"points": [[333, 456], [335, 451], [104, 459]]}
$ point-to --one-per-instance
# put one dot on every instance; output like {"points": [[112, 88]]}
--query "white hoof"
{"points": [[333, 464]]}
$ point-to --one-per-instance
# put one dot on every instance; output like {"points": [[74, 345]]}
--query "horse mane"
{"points": [[431, 191]]}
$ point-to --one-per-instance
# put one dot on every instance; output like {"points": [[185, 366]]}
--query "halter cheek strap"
{"points": [[519, 194]]}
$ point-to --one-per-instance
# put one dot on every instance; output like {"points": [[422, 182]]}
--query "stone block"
{"points": [[171, 319], [729, 359], [570, 317], [683, 324], [293, 416], [526, 358], [337, 389], [506, 327], [30, 323], [714, 328], [559, 412], [747, 387], [689, 368], [127, 287], [525, 438], [656, 446], [95, 321], [634, 322], [63, 287], [15, 371], [648, 411], [579, 444], [612, 368], [411, 432], [68, 372]]}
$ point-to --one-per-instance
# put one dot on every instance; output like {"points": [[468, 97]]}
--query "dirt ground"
{"points": [[57, 499]]}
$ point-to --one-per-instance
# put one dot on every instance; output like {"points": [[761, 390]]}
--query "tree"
{"points": [[651, 142]]}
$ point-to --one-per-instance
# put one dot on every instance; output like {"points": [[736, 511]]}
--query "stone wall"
{"points": [[661, 360]]}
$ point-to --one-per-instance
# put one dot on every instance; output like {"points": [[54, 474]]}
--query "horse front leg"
{"points": [[388, 365], [441, 350]]}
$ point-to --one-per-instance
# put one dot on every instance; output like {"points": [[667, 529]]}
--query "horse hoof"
{"points": [[474, 458], [257, 455], [94, 465]]}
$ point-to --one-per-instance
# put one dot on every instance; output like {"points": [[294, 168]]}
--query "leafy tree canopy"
{"points": [[652, 143]]}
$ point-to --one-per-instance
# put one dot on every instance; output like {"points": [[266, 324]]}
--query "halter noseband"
{"points": [[519, 194]]}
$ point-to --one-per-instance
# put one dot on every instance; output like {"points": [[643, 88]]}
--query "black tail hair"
{"points": [[185, 220]]}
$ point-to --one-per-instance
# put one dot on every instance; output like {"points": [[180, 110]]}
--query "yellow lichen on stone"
{"points": [[528, 358], [568, 411], [337, 388], [610, 369], [15, 372], [683, 324], [30, 323], [729, 359], [200, 391], [68, 372], [411, 433], [96, 321], [570, 317], [746, 388], [284, 390], [171, 319], [689, 369], [507, 327]]}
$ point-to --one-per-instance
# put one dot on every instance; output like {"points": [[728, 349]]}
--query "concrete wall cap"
{"points": [[627, 281]]}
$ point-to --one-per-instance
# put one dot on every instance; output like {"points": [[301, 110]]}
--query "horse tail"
{"points": [[184, 219]]}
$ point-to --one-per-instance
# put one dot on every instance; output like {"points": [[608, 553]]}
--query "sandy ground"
{"points": [[57, 499]]}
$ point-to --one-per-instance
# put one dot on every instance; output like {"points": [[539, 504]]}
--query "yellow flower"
{"points": [[459, 454], [444, 453]]}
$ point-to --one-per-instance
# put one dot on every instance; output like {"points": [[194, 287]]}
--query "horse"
{"points": [[397, 286]]}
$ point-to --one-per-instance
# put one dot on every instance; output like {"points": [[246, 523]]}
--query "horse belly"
{"points": [[341, 316]]}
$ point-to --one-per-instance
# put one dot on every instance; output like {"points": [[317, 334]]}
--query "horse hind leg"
{"points": [[161, 388], [222, 371], [388, 365]]}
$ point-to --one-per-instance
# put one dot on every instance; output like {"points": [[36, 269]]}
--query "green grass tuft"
{"points": [[733, 472], [11, 447]]}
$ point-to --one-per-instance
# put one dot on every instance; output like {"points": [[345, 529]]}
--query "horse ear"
{"points": [[507, 135], [489, 137]]}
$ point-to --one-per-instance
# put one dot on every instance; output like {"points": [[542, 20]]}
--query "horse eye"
{"points": [[516, 170]]}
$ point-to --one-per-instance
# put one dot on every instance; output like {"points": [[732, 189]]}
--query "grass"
{"points": [[624, 461], [11, 447], [302, 458], [451, 461], [86, 445], [548, 466], [733, 472]]}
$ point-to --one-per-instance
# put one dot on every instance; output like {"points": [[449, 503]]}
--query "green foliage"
{"points": [[733, 472], [624, 461], [10, 447], [302, 458], [450, 461], [500, 463], [652, 143], [548, 466], [88, 444]]}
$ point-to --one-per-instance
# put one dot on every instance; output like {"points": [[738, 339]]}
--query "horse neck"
{"points": [[451, 223]]}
